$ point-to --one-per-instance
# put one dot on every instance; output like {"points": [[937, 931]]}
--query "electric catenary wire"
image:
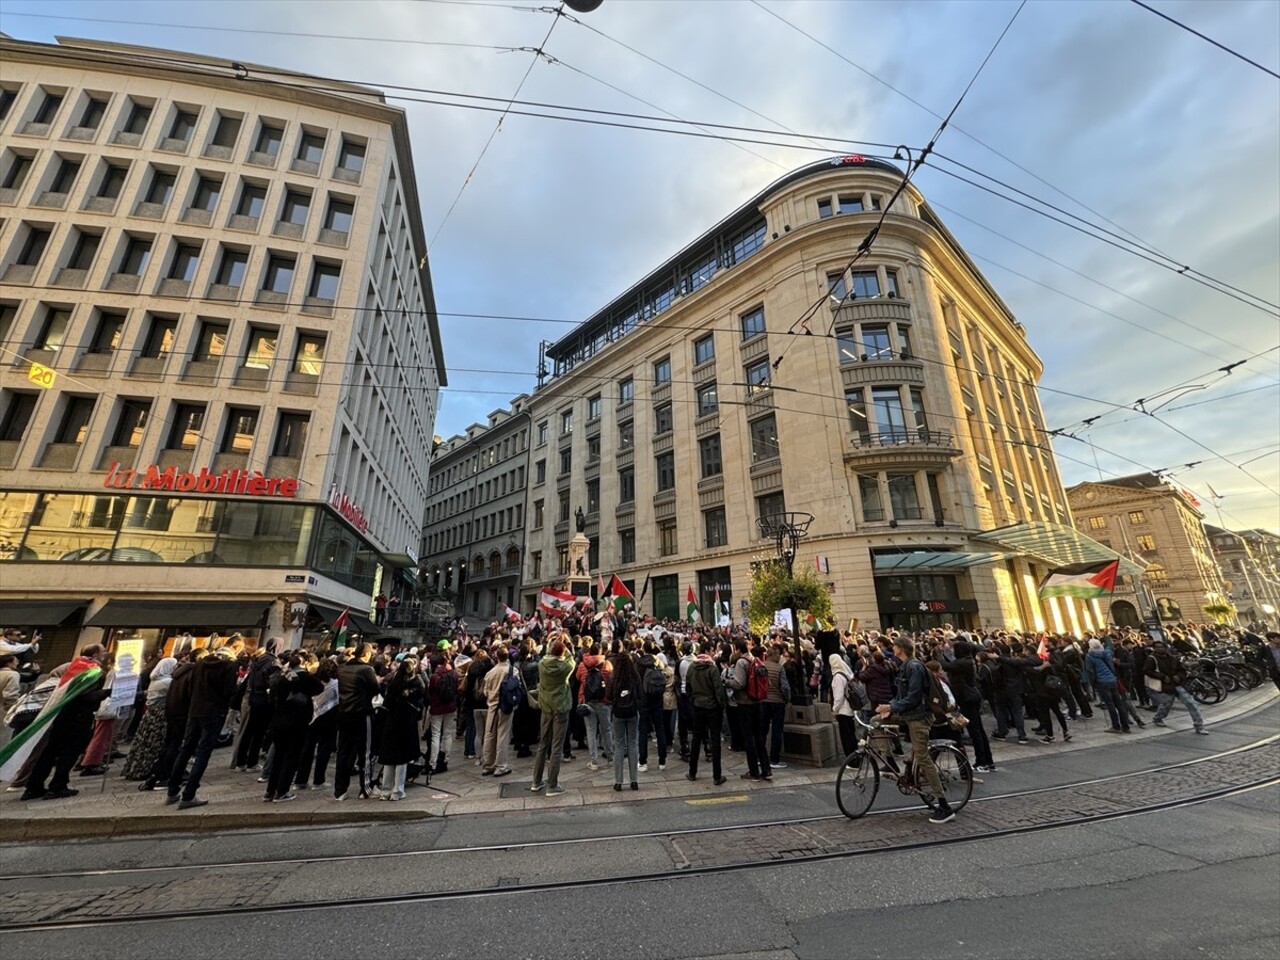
{"points": [[1221, 46]]}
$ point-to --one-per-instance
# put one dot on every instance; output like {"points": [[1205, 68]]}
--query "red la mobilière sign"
{"points": [[250, 483]]}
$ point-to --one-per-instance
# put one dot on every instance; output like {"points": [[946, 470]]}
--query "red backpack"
{"points": [[757, 680]]}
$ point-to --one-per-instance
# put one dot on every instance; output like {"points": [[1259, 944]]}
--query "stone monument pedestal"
{"points": [[578, 581]]}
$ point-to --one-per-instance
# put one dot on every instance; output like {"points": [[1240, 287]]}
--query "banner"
{"points": [[128, 667]]}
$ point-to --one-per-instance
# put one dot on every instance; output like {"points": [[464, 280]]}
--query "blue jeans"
{"points": [[1110, 698], [197, 742], [599, 730], [653, 718], [626, 739], [469, 735], [775, 714], [1164, 701]]}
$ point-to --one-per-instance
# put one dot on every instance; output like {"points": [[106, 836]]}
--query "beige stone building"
{"points": [[224, 268], [1158, 524], [902, 414]]}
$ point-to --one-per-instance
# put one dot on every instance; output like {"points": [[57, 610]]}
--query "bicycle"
{"points": [[858, 781]]}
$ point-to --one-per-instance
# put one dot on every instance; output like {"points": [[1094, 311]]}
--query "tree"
{"points": [[772, 589], [1219, 609]]}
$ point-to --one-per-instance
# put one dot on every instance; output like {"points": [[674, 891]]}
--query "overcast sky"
{"points": [[1151, 127]]}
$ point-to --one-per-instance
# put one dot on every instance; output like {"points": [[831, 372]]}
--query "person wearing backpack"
{"points": [[473, 703], [749, 680], [774, 708], [910, 706], [442, 697], [497, 724], [624, 693], [653, 685], [593, 678], [708, 700], [849, 697], [555, 702]]}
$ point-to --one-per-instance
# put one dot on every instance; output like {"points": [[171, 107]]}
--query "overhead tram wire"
{"points": [[1221, 46], [538, 53]]}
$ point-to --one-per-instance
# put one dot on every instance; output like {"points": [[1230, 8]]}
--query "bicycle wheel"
{"points": [[955, 773], [1229, 679], [857, 784]]}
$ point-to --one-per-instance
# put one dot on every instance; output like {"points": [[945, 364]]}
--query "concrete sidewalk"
{"points": [[113, 806]]}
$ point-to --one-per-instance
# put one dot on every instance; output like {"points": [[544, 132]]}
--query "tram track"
{"points": [[688, 853]]}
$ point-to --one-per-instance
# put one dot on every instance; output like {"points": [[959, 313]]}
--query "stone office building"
{"points": [[224, 271], [901, 413]]}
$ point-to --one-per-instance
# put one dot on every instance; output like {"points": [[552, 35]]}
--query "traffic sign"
{"points": [[42, 376]]}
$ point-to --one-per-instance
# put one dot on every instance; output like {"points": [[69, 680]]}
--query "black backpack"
{"points": [[655, 683], [624, 703], [593, 688], [447, 687]]}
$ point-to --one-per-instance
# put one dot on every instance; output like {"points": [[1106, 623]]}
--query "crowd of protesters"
{"points": [[622, 691]]}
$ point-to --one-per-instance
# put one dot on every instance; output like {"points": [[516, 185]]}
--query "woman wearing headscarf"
{"points": [[148, 742], [841, 677], [400, 746]]}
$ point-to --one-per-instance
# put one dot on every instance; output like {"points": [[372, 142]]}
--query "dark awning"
{"points": [[38, 613], [329, 613], [218, 615]]}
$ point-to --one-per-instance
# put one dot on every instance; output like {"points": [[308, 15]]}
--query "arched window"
{"points": [[513, 558], [477, 565]]}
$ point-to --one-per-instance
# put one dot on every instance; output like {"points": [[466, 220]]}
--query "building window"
{"points": [[707, 399], [562, 514], [770, 506], [139, 117], [160, 338], [184, 124], [106, 338], [764, 439], [17, 415], [891, 419], [65, 178], [566, 422], [16, 174], [242, 424], [226, 131], [627, 546], [535, 564], [1137, 516], [137, 254], [261, 351], [186, 258], [542, 433], [704, 350], [278, 277], [185, 427], [85, 252], [1156, 574], [308, 359], [351, 156], [133, 421], [717, 530], [593, 449], [291, 437], [593, 407], [824, 208], [269, 138], [54, 332], [709, 456], [851, 205], [113, 178], [161, 189], [252, 199], [33, 247], [212, 342], [869, 493], [662, 422], [891, 282], [875, 342], [91, 117], [668, 542], [752, 323], [566, 462], [310, 147], [338, 217], [1146, 543], [540, 472], [662, 371], [904, 500], [626, 391], [232, 268], [296, 207], [562, 561], [626, 435], [665, 464], [324, 281], [866, 283], [626, 485], [757, 375], [539, 513], [1097, 523], [208, 190], [593, 496]]}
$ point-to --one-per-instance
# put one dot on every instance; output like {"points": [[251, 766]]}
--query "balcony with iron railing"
{"points": [[904, 447]]}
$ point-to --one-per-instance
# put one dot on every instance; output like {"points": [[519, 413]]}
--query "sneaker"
{"points": [[569, 759], [486, 773], [1023, 740], [286, 798], [754, 777], [262, 779], [1047, 739], [720, 781], [634, 785], [1066, 738], [535, 788], [62, 794], [1140, 723], [268, 797], [189, 804], [984, 769], [592, 765], [1202, 731], [320, 786], [502, 771], [339, 798], [942, 815], [171, 798], [643, 768], [690, 777], [1159, 723], [239, 769], [1114, 730], [617, 788], [976, 780], [256, 768], [555, 791], [777, 765], [662, 766], [37, 794]]}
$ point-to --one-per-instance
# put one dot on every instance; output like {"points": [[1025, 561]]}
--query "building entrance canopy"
{"points": [[931, 560], [1055, 544]]}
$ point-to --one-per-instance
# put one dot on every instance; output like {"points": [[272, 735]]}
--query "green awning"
{"points": [[1055, 544], [931, 560]]}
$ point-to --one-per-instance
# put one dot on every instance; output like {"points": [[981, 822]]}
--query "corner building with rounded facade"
{"points": [[224, 268], [903, 415]]}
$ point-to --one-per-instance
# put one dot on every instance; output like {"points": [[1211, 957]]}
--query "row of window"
{"points": [[482, 493], [180, 126], [497, 452], [1135, 517], [492, 524], [133, 257], [186, 422]]}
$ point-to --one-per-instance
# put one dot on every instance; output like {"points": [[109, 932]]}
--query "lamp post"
{"points": [[787, 530]]}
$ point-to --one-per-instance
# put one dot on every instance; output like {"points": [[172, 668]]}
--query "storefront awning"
{"points": [[220, 615], [1055, 544], [329, 613], [399, 560], [37, 613], [932, 560]]}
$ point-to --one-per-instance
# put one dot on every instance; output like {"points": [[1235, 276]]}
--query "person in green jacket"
{"points": [[555, 701]]}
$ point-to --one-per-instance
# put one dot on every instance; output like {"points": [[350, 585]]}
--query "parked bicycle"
{"points": [[858, 781]]}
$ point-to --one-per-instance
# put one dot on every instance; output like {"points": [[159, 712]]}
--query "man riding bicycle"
{"points": [[909, 706]]}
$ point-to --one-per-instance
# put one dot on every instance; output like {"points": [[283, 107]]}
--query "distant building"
{"points": [[1152, 521], [1250, 565], [473, 541], [224, 268]]}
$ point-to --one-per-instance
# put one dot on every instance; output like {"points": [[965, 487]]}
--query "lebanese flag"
{"points": [[1086, 581], [509, 614], [80, 675], [1043, 650], [691, 607], [619, 595], [341, 627], [555, 602]]}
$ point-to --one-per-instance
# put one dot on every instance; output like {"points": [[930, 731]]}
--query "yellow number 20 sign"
{"points": [[42, 376]]}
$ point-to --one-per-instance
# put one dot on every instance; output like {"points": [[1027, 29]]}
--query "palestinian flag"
{"points": [[555, 602], [691, 607], [1083, 580], [341, 629], [79, 676], [619, 595]]}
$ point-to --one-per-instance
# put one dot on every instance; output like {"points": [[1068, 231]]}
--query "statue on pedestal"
{"points": [[580, 520]]}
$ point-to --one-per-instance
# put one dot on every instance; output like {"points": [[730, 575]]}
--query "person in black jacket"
{"points": [[399, 745], [177, 705], [69, 734], [213, 684], [263, 669], [357, 686], [962, 674], [291, 705], [1013, 666]]}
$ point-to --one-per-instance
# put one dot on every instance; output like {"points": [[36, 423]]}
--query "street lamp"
{"points": [[787, 530]]}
